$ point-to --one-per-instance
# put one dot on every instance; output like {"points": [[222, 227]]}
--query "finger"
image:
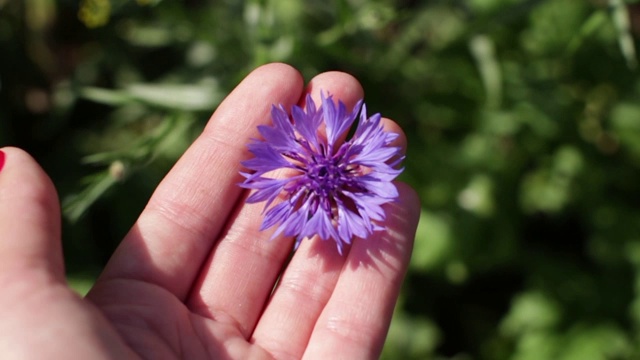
{"points": [[29, 221], [240, 275], [304, 289], [175, 233], [354, 323], [37, 306]]}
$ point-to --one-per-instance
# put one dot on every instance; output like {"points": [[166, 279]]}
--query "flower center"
{"points": [[326, 175]]}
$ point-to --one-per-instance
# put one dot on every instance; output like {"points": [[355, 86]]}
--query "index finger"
{"points": [[174, 234]]}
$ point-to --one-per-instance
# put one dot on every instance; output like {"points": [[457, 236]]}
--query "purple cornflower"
{"points": [[333, 188]]}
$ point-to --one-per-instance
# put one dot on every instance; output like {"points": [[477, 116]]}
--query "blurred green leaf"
{"points": [[620, 17], [548, 189], [433, 242], [179, 97], [80, 284], [590, 26], [74, 206], [204, 96], [530, 312], [585, 342], [411, 338], [483, 51], [105, 96]]}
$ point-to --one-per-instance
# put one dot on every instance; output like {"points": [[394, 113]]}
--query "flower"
{"points": [[334, 188]]}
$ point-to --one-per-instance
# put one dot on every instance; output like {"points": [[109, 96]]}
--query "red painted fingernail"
{"points": [[2, 156]]}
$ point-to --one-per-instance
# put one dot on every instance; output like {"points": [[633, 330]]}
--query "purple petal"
{"points": [[350, 224], [276, 214], [266, 158], [319, 224], [267, 190]]}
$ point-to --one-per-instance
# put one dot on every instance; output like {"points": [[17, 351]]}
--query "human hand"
{"points": [[195, 278]]}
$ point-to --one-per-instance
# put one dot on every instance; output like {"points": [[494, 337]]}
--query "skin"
{"points": [[194, 278]]}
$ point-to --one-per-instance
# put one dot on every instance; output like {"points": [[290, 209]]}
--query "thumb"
{"points": [[29, 220]]}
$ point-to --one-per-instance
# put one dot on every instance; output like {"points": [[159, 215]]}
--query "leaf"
{"points": [[105, 96], [620, 17], [74, 206], [178, 97]]}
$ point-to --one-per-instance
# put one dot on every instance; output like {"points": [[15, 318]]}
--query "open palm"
{"points": [[194, 278]]}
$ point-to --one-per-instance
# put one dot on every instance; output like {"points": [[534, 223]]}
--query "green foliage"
{"points": [[524, 143]]}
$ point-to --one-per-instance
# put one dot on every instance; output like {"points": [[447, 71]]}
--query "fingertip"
{"points": [[278, 71], [267, 85], [277, 66], [29, 215], [22, 174], [342, 86], [2, 157]]}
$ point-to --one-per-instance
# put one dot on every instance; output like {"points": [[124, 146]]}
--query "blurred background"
{"points": [[523, 118]]}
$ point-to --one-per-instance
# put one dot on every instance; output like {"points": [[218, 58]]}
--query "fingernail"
{"points": [[2, 157]]}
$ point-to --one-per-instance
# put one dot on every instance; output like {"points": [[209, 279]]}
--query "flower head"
{"points": [[334, 188]]}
